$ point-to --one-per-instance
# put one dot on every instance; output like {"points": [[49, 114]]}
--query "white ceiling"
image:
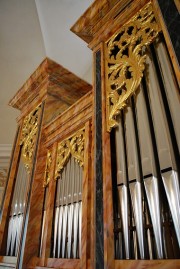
{"points": [[30, 30]]}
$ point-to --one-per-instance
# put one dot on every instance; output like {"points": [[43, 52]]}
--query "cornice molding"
{"points": [[48, 78], [103, 18]]}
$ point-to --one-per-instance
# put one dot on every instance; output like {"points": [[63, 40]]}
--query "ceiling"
{"points": [[30, 30]]}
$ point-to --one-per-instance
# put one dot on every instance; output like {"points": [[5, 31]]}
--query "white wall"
{"points": [[56, 18], [21, 51], [22, 47]]}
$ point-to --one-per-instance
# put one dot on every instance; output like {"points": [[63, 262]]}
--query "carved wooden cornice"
{"points": [[50, 78], [103, 18]]}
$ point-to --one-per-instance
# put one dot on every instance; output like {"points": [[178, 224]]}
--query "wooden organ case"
{"points": [[94, 178], [46, 214], [137, 133]]}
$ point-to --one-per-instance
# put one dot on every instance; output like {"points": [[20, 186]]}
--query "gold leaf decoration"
{"points": [[125, 60], [73, 146], [28, 137], [47, 169]]}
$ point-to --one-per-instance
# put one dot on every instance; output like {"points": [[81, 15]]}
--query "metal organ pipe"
{"points": [[149, 172], [170, 85], [68, 219], [134, 182], [17, 210], [165, 149], [147, 165], [123, 211]]}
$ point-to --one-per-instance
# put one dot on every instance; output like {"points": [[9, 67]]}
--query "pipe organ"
{"points": [[94, 178], [46, 218]]}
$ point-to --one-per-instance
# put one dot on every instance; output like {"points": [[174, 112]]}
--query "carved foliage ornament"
{"points": [[47, 169], [28, 137], [125, 60], [72, 146]]}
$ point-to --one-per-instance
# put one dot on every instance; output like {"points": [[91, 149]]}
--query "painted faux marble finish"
{"points": [[172, 20], [51, 79], [96, 26], [71, 119], [60, 98], [67, 106], [98, 168], [103, 18]]}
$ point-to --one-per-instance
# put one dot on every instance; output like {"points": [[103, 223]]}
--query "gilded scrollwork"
{"points": [[73, 146], [28, 137], [47, 169], [125, 60]]}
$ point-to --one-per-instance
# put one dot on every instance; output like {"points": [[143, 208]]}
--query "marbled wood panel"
{"points": [[116, 18], [59, 99], [8, 196], [95, 13], [69, 127], [172, 19], [107, 180], [85, 240], [104, 18], [54, 107], [31, 248], [63, 263], [46, 243], [147, 264], [34, 103], [51, 72], [36, 205], [35, 261], [30, 89], [71, 119], [71, 86], [99, 247], [63, 77]]}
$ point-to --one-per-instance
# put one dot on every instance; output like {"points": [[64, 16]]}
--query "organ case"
{"points": [[46, 218], [138, 96]]}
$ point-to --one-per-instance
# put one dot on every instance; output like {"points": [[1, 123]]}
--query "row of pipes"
{"points": [[68, 212], [147, 167], [17, 210]]}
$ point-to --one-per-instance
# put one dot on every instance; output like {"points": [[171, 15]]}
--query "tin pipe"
{"points": [[122, 187], [134, 181], [149, 172]]}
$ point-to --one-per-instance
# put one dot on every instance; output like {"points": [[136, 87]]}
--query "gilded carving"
{"points": [[47, 169], [28, 136], [125, 60], [73, 146]]}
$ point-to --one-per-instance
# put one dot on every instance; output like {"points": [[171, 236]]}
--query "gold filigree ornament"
{"points": [[125, 60], [73, 146], [28, 137], [47, 169]]}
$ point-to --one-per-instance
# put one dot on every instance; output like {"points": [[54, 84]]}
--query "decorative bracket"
{"points": [[28, 137], [125, 60], [72, 146]]}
